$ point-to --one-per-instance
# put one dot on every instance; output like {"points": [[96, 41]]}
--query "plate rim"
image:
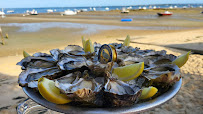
{"points": [[138, 108]]}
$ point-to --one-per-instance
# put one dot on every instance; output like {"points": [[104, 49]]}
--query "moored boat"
{"points": [[166, 13], [33, 12]]}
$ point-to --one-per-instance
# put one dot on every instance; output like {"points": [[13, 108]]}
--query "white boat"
{"points": [[2, 13], [144, 8], [83, 10], [107, 9], [69, 12], [171, 7], [154, 7], [175, 7], [129, 7], [94, 9], [10, 11], [124, 10], [33, 12], [50, 11]]}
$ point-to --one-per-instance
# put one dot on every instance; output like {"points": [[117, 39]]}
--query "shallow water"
{"points": [[86, 28]]}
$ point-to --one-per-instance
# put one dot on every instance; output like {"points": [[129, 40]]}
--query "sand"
{"points": [[177, 42]]}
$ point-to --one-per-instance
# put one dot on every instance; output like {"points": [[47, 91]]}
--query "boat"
{"points": [[166, 13], [107, 9], [94, 9], [126, 20], [124, 10], [2, 13], [130, 7], [10, 11], [33, 12], [50, 11], [69, 12]]}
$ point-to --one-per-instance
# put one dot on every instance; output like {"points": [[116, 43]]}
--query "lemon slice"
{"points": [[25, 54], [51, 93], [83, 42], [181, 60], [89, 47], [129, 72], [127, 41], [148, 92]]}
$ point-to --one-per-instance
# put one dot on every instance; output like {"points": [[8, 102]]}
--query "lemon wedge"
{"points": [[25, 54], [148, 92], [89, 46], [51, 93], [83, 42], [129, 72], [127, 41], [181, 60]]}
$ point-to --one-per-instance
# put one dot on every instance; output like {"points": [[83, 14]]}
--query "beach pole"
{"points": [[2, 38]]}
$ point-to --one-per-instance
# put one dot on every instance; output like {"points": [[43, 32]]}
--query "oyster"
{"points": [[118, 93], [163, 75], [70, 62], [84, 89], [38, 60], [32, 74]]}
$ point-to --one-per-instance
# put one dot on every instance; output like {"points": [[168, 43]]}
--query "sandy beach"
{"points": [[177, 34]]}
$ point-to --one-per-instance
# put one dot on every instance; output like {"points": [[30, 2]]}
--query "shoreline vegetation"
{"points": [[182, 30]]}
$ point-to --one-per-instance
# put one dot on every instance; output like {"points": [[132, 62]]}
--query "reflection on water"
{"points": [[86, 28]]}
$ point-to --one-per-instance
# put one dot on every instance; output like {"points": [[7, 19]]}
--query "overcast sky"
{"points": [[74, 3]]}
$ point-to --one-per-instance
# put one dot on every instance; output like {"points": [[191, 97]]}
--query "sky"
{"points": [[78, 3]]}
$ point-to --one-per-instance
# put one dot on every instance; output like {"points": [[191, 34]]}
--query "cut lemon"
{"points": [[51, 93], [181, 60], [129, 72], [25, 54], [127, 41], [83, 42], [89, 46], [148, 92]]}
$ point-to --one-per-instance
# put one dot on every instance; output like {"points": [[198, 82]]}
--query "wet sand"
{"points": [[189, 98]]}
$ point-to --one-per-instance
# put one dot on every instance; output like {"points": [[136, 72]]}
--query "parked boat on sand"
{"points": [[166, 13]]}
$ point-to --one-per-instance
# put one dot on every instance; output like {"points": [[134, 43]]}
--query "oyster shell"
{"points": [[118, 93], [83, 89], [163, 75], [32, 74], [38, 60], [70, 62]]}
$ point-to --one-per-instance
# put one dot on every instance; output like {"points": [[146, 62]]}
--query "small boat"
{"points": [[94, 9], [124, 10], [166, 13], [130, 7], [10, 11], [107, 9], [83, 10], [126, 20], [69, 12], [50, 11], [33, 12], [2, 13]]}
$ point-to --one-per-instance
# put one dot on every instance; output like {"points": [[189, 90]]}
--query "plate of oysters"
{"points": [[101, 78]]}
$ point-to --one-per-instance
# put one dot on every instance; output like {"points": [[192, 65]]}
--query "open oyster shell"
{"points": [[163, 75], [118, 93], [83, 89]]}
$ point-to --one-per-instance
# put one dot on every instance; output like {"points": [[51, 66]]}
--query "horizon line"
{"points": [[112, 5]]}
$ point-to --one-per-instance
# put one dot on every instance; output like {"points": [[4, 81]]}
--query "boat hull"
{"points": [[164, 14]]}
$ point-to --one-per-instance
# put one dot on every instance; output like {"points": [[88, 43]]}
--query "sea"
{"points": [[100, 8]]}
